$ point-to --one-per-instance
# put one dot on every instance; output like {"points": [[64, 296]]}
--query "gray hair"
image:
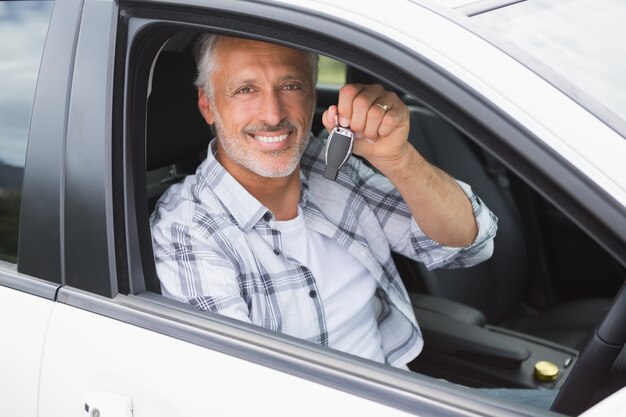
{"points": [[206, 62]]}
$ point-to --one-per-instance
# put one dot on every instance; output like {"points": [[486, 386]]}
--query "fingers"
{"points": [[329, 118], [362, 108], [348, 94], [381, 122]]}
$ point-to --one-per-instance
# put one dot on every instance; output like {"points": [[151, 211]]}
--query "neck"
{"points": [[280, 195]]}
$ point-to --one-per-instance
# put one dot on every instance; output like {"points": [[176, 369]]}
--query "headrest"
{"points": [[175, 127]]}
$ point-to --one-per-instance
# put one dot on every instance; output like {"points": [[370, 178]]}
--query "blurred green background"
{"points": [[331, 72]]}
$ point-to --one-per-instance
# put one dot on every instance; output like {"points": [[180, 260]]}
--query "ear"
{"points": [[204, 105]]}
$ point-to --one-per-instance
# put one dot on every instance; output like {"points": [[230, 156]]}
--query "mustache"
{"points": [[264, 127]]}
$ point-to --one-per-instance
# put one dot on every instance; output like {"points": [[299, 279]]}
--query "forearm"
{"points": [[438, 204], [381, 122]]}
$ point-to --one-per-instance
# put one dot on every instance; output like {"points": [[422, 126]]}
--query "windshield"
{"points": [[582, 41]]}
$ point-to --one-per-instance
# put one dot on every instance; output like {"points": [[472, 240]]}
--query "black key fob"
{"points": [[338, 149]]}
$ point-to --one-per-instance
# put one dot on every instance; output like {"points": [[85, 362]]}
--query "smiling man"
{"points": [[259, 235]]}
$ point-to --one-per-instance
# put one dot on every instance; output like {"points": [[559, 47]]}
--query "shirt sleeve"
{"points": [[191, 270], [406, 237]]}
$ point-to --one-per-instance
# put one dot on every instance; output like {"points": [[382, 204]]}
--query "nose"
{"points": [[273, 108]]}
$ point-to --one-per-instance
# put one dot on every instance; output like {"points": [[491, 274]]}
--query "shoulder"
{"points": [[188, 205]]}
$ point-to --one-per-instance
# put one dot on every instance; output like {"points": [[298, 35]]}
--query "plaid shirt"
{"points": [[216, 248]]}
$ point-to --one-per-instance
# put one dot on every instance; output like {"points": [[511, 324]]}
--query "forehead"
{"points": [[242, 55]]}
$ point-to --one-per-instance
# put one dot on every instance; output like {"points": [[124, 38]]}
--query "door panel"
{"points": [[23, 324], [92, 356]]}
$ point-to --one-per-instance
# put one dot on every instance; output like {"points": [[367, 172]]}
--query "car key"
{"points": [[338, 149]]}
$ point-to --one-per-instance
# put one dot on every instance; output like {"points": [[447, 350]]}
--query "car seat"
{"points": [[177, 136]]}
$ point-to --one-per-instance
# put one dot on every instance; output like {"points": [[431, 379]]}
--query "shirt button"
{"points": [[267, 216], [276, 252], [312, 294]]}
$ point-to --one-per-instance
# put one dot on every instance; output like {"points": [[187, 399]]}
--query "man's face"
{"points": [[262, 104]]}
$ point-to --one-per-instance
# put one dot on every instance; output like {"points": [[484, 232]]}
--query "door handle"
{"points": [[107, 404]]}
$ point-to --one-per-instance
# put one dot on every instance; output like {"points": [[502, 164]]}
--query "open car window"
{"points": [[500, 303]]}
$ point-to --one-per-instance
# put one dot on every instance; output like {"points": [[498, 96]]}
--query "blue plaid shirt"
{"points": [[217, 249]]}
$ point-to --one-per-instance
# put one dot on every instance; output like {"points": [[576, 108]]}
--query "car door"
{"points": [[113, 345]]}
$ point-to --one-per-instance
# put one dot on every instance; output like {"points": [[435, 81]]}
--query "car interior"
{"points": [[537, 299]]}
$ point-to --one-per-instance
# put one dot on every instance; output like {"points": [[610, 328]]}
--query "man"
{"points": [[259, 235]]}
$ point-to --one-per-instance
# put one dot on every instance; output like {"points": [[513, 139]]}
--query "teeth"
{"points": [[271, 139]]}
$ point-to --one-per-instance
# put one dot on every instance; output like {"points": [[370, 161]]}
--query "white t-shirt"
{"points": [[345, 286]]}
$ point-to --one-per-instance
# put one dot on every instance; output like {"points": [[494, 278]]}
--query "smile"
{"points": [[271, 139]]}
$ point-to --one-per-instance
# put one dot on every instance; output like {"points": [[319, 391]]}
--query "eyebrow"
{"points": [[252, 81]]}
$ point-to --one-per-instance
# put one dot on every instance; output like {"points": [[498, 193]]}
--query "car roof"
{"points": [[472, 7]]}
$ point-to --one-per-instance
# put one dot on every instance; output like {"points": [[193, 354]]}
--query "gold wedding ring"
{"points": [[383, 106]]}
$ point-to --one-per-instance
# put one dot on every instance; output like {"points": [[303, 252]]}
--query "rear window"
{"points": [[23, 28]]}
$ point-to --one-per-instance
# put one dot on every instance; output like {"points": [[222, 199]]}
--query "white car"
{"points": [[524, 100]]}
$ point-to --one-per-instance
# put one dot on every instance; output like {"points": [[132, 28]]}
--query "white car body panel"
{"points": [[21, 344], [162, 376]]}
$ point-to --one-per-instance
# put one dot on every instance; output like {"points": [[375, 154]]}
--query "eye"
{"points": [[244, 90], [292, 86]]}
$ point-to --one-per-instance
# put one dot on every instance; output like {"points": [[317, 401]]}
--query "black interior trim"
{"points": [[117, 150]]}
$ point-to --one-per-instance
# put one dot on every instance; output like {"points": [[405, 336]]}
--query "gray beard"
{"points": [[235, 148]]}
